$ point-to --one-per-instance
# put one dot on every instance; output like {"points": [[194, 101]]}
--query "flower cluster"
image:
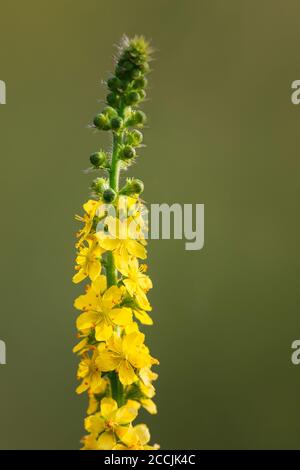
{"points": [[115, 366]]}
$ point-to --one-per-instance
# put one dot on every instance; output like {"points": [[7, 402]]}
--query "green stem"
{"points": [[111, 272], [115, 164], [116, 389]]}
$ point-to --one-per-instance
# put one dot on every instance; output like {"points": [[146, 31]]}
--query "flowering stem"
{"points": [[115, 367]]}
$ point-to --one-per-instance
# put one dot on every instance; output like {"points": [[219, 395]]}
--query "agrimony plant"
{"points": [[115, 364]]}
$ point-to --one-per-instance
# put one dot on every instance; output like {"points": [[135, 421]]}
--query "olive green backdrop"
{"points": [[223, 132]]}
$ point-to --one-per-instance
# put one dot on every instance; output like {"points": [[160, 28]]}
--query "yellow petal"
{"points": [[119, 447], [87, 320], [131, 328], [142, 433], [106, 441], [80, 345], [133, 404], [128, 436], [109, 244], [94, 269], [99, 284], [126, 373], [121, 316], [107, 361], [112, 297], [143, 317], [93, 404], [90, 206], [103, 332], [149, 405], [83, 302], [78, 277], [82, 387], [108, 406], [94, 424], [132, 341], [90, 442], [130, 286], [122, 266], [98, 384], [142, 300], [126, 414], [136, 249]]}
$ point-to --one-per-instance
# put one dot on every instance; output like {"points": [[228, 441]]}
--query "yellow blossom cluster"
{"points": [[115, 367]]}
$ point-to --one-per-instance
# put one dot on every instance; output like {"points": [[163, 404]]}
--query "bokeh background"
{"points": [[223, 132]]}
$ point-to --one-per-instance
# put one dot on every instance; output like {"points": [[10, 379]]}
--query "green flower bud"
{"points": [[127, 65], [140, 83], [110, 112], [128, 152], [132, 98], [135, 74], [121, 73], [109, 195], [142, 94], [114, 84], [101, 122], [134, 138], [132, 186], [140, 118], [98, 186], [144, 67], [98, 159], [116, 123], [136, 118], [112, 99]]}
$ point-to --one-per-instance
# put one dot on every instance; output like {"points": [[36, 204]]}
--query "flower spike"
{"points": [[115, 368]]}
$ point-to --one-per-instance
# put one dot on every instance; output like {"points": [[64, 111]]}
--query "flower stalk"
{"points": [[115, 366]]}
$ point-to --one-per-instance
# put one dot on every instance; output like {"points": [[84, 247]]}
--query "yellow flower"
{"points": [[88, 261], [101, 311], [145, 385], [82, 346], [135, 438], [136, 282], [125, 355], [149, 405], [110, 422], [90, 208], [120, 240], [89, 372], [90, 442], [93, 403]]}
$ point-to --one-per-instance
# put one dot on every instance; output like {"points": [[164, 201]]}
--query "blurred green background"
{"points": [[223, 132]]}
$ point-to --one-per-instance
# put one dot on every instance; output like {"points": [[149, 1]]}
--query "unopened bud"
{"points": [[114, 83], [101, 122], [116, 123], [109, 195], [132, 186], [98, 159], [133, 97], [128, 152], [134, 138], [98, 186]]}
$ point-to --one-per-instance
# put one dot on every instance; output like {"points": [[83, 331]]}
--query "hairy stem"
{"points": [[115, 164]]}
